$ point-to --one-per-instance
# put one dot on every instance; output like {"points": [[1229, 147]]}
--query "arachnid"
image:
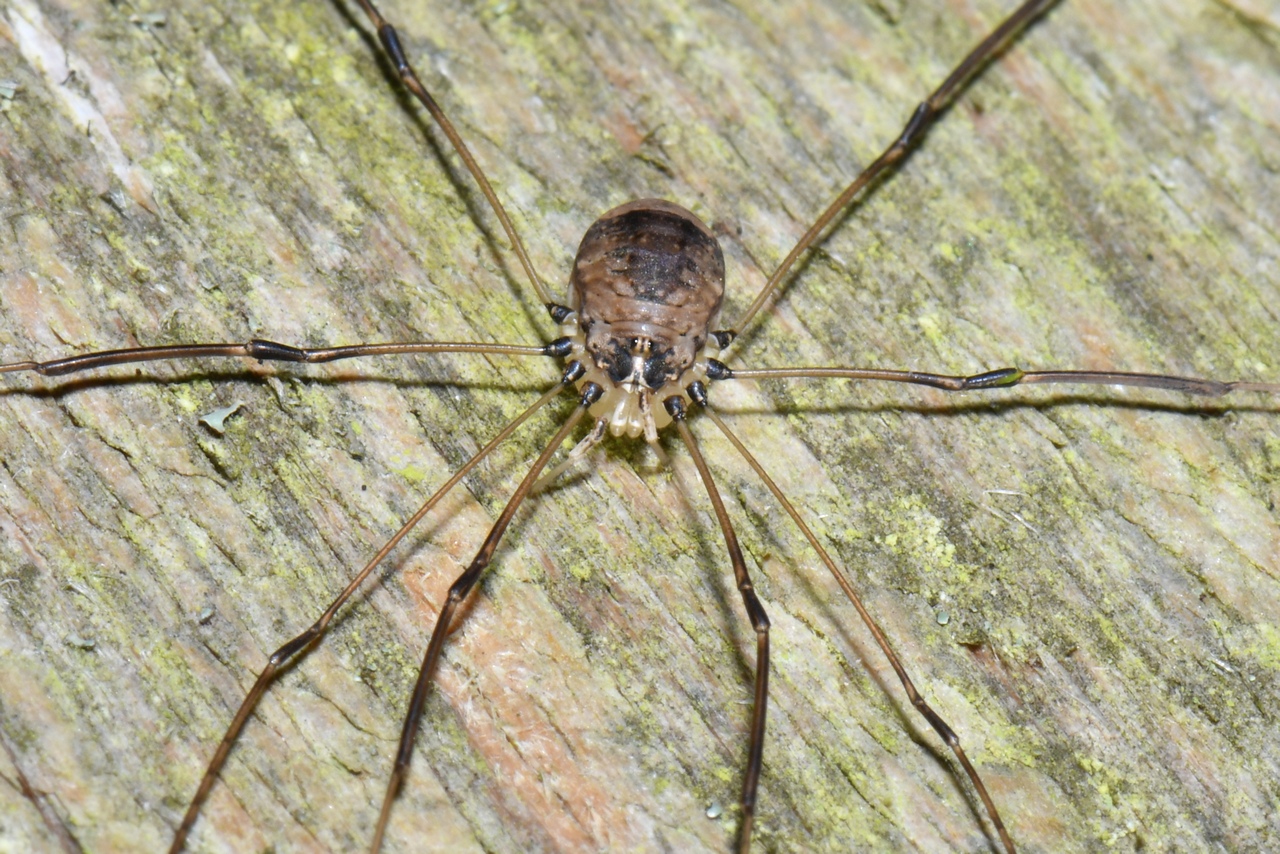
{"points": [[1104, 563]]}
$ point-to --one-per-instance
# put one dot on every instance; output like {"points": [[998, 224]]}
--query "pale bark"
{"points": [[1106, 563]]}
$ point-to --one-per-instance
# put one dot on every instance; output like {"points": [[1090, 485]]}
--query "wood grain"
{"points": [[1087, 584]]}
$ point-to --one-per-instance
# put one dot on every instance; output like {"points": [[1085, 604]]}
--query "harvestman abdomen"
{"points": [[731, 607]]}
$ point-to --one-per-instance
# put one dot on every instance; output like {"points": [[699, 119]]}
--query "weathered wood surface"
{"points": [[1106, 196]]}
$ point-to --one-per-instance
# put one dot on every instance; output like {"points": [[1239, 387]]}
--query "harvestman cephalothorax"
{"points": [[731, 606]]}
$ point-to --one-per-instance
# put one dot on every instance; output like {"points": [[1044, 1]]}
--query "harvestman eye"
{"points": [[643, 343]]}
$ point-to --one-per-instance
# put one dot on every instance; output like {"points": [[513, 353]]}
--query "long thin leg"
{"points": [[580, 450], [391, 44], [914, 130], [1001, 378], [304, 641], [271, 351], [759, 621], [457, 593], [935, 720]]}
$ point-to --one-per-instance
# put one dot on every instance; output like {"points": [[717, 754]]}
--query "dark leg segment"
{"points": [[391, 44], [1002, 378], [457, 593], [300, 644], [759, 621], [920, 120], [922, 706], [270, 351]]}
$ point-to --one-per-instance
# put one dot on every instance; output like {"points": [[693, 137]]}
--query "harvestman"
{"points": [[636, 380]]}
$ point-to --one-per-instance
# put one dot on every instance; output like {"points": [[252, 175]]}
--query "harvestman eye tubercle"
{"points": [[647, 336]]}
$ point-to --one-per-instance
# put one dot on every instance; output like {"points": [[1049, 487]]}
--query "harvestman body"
{"points": [[640, 340]]}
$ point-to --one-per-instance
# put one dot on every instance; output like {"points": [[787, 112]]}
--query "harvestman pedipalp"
{"points": [[269, 351]]}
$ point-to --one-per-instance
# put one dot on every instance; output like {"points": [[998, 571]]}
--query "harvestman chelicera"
{"points": [[641, 343]]}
